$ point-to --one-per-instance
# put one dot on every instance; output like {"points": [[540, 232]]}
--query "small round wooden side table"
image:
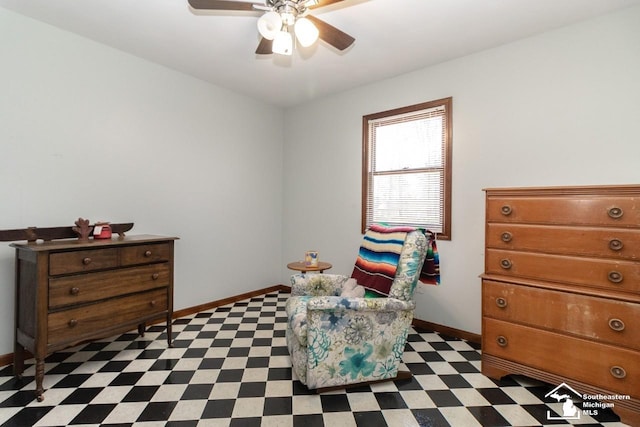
{"points": [[301, 266]]}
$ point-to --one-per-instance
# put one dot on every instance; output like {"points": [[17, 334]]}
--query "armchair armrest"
{"points": [[337, 303], [317, 284]]}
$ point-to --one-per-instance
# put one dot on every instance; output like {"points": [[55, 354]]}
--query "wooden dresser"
{"points": [[561, 289], [69, 292]]}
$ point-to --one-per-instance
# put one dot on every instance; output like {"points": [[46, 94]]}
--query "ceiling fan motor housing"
{"points": [[287, 8]]}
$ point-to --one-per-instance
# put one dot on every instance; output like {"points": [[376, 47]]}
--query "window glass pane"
{"points": [[410, 199], [409, 145]]}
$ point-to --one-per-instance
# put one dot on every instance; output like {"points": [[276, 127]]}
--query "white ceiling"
{"points": [[392, 37]]}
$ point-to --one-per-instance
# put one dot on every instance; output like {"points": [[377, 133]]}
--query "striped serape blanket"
{"points": [[379, 255], [430, 274]]}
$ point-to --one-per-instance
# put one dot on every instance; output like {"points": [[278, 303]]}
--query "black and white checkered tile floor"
{"points": [[230, 367]]}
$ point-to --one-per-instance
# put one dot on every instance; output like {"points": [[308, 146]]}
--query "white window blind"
{"points": [[406, 172]]}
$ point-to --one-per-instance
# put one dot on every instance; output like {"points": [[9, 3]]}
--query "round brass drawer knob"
{"points": [[501, 302], [152, 303], [615, 212], [615, 276], [505, 263], [147, 253], [616, 324], [506, 210], [506, 237], [86, 261], [155, 276], [502, 341], [74, 291], [72, 323], [615, 245], [618, 372]]}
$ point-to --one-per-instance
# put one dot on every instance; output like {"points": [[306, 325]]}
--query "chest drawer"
{"points": [[143, 254], [80, 323], [618, 243], [591, 272], [80, 261], [612, 368], [80, 289], [611, 211], [595, 318]]}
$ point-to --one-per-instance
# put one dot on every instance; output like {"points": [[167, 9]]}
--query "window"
{"points": [[406, 167]]}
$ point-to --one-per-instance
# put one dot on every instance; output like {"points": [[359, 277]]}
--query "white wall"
{"points": [[561, 108], [89, 131], [177, 158]]}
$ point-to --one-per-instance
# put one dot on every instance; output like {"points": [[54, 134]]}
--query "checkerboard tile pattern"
{"points": [[230, 367]]}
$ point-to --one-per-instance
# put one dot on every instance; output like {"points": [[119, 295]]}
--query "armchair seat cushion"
{"points": [[351, 289]]}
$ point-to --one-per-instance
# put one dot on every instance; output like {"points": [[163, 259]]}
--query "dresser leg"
{"points": [[141, 328], [169, 333], [18, 360], [492, 371], [39, 379], [629, 416]]}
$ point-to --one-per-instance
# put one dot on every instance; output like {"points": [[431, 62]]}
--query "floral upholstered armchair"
{"points": [[336, 340]]}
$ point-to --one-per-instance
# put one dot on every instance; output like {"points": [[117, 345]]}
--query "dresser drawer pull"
{"points": [[155, 276], [505, 263], [152, 303], [618, 372], [502, 341], [616, 325], [501, 302], [506, 210], [72, 323], [615, 245], [506, 237], [147, 254], [86, 261], [615, 212], [74, 291], [615, 276]]}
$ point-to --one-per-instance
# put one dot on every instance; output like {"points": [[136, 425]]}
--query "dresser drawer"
{"points": [[617, 243], [577, 210], [80, 261], [601, 365], [81, 323], [594, 318], [144, 254], [76, 289], [591, 272]]}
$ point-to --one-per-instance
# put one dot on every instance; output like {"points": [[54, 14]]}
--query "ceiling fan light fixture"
{"points": [[288, 18], [306, 32], [283, 43], [269, 25]]}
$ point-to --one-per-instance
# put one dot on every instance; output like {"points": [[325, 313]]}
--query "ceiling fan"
{"points": [[279, 18]]}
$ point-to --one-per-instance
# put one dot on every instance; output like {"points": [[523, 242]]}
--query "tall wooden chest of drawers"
{"points": [[69, 292], [561, 289]]}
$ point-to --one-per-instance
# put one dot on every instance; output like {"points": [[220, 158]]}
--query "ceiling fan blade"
{"points": [[335, 37], [265, 47], [324, 3], [221, 5]]}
